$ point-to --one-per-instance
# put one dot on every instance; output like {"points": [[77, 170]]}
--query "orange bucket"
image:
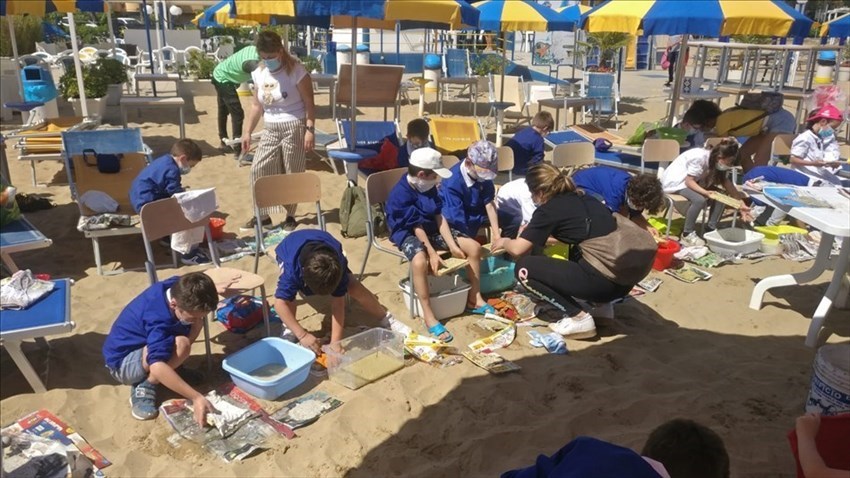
{"points": [[664, 256], [217, 228]]}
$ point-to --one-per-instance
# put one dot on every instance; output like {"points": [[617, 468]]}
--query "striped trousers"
{"points": [[281, 150]]}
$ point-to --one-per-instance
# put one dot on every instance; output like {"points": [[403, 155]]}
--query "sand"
{"points": [[687, 350]]}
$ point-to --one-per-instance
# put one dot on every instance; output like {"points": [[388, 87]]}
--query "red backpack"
{"points": [[240, 313]]}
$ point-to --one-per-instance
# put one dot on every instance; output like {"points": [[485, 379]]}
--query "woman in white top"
{"points": [[693, 174], [284, 96], [814, 152]]}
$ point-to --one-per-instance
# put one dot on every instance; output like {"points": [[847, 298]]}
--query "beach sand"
{"points": [[688, 350]]}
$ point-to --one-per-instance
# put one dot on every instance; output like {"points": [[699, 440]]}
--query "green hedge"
{"points": [[27, 32]]}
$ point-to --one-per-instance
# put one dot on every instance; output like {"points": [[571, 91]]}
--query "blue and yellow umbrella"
{"points": [[218, 15], [837, 28], [520, 15], [573, 13]]}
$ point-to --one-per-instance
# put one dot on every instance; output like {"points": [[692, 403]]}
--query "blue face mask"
{"points": [[273, 64], [826, 132]]}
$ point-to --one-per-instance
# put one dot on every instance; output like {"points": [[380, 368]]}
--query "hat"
{"points": [[828, 112], [429, 158], [483, 154]]}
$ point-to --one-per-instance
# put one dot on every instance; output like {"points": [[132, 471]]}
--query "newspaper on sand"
{"points": [[492, 362], [41, 439], [430, 350], [688, 274], [650, 284], [502, 338], [306, 410]]}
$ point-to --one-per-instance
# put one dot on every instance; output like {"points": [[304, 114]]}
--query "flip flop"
{"points": [[438, 330], [482, 309]]}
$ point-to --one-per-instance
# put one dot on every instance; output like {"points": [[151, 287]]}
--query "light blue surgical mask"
{"points": [[826, 132], [184, 322], [273, 64], [722, 167], [184, 170]]}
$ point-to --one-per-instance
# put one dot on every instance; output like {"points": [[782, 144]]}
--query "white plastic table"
{"points": [[832, 223]]}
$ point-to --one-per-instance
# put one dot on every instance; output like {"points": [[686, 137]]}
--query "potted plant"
{"points": [[199, 68], [609, 43], [311, 64], [484, 65], [115, 75], [95, 88]]}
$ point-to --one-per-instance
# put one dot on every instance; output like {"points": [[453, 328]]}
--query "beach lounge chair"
{"points": [[43, 141], [518, 112], [457, 72], [280, 190], [573, 155], [603, 88], [370, 134], [450, 135], [377, 86], [19, 236], [49, 316], [83, 178], [165, 217]]}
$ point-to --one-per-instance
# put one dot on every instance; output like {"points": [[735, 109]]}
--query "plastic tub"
{"points": [[269, 367], [830, 390], [448, 296], [558, 251], [364, 358], [773, 232], [734, 241], [664, 255], [497, 274]]}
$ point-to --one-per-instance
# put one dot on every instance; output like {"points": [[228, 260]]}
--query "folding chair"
{"points": [[369, 134], [165, 217], [568, 155], [450, 135], [780, 149], [662, 151], [505, 156], [282, 190], [602, 87], [49, 316], [514, 93]]}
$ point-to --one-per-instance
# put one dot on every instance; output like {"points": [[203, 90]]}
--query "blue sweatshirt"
{"points": [[287, 254], [159, 180], [463, 206], [608, 183], [407, 208], [527, 145], [776, 174], [146, 321]]}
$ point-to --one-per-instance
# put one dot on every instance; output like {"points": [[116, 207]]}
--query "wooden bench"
{"points": [[153, 102]]}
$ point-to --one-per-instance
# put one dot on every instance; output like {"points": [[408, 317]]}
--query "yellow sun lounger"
{"points": [[43, 141]]}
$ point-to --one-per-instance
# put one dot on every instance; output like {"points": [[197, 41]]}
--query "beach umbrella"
{"points": [[837, 28], [218, 15], [712, 18], [573, 14], [40, 8]]}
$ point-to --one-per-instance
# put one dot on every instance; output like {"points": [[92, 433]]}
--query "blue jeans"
{"points": [[132, 370]]}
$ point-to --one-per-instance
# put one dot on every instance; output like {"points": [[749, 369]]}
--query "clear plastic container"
{"points": [[364, 358]]}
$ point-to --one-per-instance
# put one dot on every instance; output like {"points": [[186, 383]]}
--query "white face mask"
{"points": [[722, 167], [185, 322], [184, 170], [631, 205], [424, 185]]}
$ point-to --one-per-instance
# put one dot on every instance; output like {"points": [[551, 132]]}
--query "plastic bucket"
{"points": [[217, 228], [830, 391], [664, 256]]}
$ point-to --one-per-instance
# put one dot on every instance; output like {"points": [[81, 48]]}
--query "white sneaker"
{"points": [[579, 326], [389, 322], [692, 240], [288, 336]]}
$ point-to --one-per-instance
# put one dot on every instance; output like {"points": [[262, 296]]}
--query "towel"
{"points": [[554, 343], [196, 205], [22, 290]]}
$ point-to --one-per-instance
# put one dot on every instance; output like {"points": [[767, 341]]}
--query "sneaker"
{"points": [[252, 224], [691, 240], [389, 322], [667, 85], [579, 326], [246, 159], [195, 258], [288, 336], [290, 224], [143, 401]]}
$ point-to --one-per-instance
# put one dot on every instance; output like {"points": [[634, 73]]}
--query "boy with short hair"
{"points": [[312, 263], [416, 223], [527, 144], [418, 132], [161, 179], [153, 336], [623, 193], [469, 193]]}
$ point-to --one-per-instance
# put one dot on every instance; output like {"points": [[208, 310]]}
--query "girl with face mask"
{"points": [[693, 175], [283, 95], [814, 152]]}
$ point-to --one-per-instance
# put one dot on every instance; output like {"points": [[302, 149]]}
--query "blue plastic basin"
{"points": [[273, 351], [497, 274]]}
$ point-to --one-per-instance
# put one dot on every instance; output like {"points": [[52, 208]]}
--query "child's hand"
{"points": [[808, 425], [311, 342], [435, 261], [201, 407], [457, 252]]}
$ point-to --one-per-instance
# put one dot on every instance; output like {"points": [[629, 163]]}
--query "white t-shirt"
{"points": [[515, 199], [278, 93], [693, 162], [808, 146]]}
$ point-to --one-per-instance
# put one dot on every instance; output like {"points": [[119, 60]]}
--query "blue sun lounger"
{"points": [[19, 236], [622, 160], [49, 316]]}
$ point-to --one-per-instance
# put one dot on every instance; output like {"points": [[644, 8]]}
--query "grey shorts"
{"points": [[412, 245], [131, 371]]}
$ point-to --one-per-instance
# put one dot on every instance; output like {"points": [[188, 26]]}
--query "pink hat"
{"points": [[828, 112]]}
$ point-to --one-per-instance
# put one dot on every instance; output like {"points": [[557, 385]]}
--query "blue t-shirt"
{"points": [[287, 254], [463, 206], [607, 183], [159, 180], [587, 457], [407, 208], [146, 321], [776, 174], [527, 145]]}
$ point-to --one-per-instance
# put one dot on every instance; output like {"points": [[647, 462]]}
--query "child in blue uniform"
{"points": [[161, 179], [527, 144], [417, 228], [469, 193], [623, 193], [311, 262], [418, 132], [153, 336]]}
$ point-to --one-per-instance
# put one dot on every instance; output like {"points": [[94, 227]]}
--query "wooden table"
{"points": [[154, 102], [565, 102]]}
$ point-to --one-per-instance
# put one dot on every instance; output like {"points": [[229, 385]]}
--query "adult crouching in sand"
{"points": [[609, 253], [284, 96]]}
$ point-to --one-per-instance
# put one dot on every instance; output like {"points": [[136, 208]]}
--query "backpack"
{"points": [[240, 313], [768, 101], [738, 121], [352, 213]]}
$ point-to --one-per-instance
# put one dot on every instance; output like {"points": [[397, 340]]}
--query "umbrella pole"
{"points": [[504, 61], [109, 24], [78, 65], [353, 113], [677, 83], [14, 42]]}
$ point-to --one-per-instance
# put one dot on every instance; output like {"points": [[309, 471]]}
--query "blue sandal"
{"points": [[438, 330], [482, 309]]}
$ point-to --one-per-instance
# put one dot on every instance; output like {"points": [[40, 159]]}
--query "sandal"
{"points": [[481, 309], [437, 330]]}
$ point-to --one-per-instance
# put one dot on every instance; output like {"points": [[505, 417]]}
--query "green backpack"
{"points": [[352, 213]]}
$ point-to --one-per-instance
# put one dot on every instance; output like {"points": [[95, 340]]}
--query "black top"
{"points": [[571, 219]]}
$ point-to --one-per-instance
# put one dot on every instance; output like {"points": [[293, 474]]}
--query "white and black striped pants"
{"points": [[281, 150]]}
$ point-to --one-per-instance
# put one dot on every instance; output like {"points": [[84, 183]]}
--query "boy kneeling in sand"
{"points": [[153, 336], [311, 262]]}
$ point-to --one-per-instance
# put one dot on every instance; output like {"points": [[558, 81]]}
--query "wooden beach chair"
{"points": [[377, 86], [572, 155]]}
